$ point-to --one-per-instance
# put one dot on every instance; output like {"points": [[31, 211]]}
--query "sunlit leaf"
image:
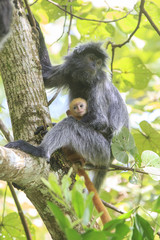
{"points": [[156, 205], [126, 215], [94, 235], [72, 234], [59, 215], [12, 228], [148, 139], [150, 159], [142, 229], [131, 73], [122, 145]]}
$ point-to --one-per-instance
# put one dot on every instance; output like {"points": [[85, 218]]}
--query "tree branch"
{"points": [[9, 138], [5, 131], [112, 207], [20, 212], [129, 38], [87, 19], [26, 171], [151, 21], [114, 168]]}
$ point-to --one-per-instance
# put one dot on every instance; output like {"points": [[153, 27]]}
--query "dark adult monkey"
{"points": [[5, 20], [82, 73]]}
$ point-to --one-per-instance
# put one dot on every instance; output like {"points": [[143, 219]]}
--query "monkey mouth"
{"points": [[80, 113]]}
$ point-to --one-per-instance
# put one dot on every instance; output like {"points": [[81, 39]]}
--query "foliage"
{"points": [[127, 226], [11, 227], [136, 73]]}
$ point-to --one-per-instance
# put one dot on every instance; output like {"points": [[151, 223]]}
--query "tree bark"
{"points": [[21, 73]]}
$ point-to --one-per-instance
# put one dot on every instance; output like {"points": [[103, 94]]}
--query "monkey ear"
{"points": [[69, 113]]}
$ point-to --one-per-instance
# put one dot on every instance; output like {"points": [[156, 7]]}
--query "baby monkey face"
{"points": [[78, 107]]}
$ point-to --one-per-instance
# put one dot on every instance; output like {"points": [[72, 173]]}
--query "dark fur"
{"points": [[107, 113], [5, 20]]}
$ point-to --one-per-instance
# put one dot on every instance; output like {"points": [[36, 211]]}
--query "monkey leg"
{"points": [[90, 144], [72, 156], [87, 142]]}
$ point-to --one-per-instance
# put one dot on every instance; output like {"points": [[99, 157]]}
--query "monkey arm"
{"points": [[118, 114], [5, 18], [52, 75], [43, 52]]}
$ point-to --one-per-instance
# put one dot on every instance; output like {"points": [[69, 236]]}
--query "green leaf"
{"points": [[72, 234], [150, 159], [122, 145], [62, 220], [142, 229], [121, 231], [94, 235], [66, 182], [88, 206], [53, 185], [12, 228], [148, 139], [127, 25], [112, 224], [131, 73], [126, 215], [78, 202], [156, 205]]}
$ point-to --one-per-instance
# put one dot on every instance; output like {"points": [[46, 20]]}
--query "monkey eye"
{"points": [[91, 57], [99, 62], [81, 105], [74, 107]]}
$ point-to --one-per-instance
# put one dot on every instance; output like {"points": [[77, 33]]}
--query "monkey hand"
{"points": [[42, 130], [97, 123]]}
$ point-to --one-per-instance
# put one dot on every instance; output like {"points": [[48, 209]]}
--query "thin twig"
{"points": [[20, 211], [130, 36], [151, 21], [54, 97], [64, 25], [33, 3], [88, 19], [4, 204], [112, 207], [69, 30], [5, 132], [122, 168], [114, 168], [31, 18]]}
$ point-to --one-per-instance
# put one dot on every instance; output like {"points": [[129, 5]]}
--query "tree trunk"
{"points": [[21, 73]]}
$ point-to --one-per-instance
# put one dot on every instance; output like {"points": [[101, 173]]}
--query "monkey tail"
{"points": [[99, 176]]}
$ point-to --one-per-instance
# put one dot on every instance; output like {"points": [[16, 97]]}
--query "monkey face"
{"points": [[79, 108], [86, 67], [92, 63]]}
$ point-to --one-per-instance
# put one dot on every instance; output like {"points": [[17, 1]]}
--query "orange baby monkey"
{"points": [[78, 108]]}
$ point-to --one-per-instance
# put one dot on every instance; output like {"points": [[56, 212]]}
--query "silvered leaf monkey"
{"points": [[83, 74]]}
